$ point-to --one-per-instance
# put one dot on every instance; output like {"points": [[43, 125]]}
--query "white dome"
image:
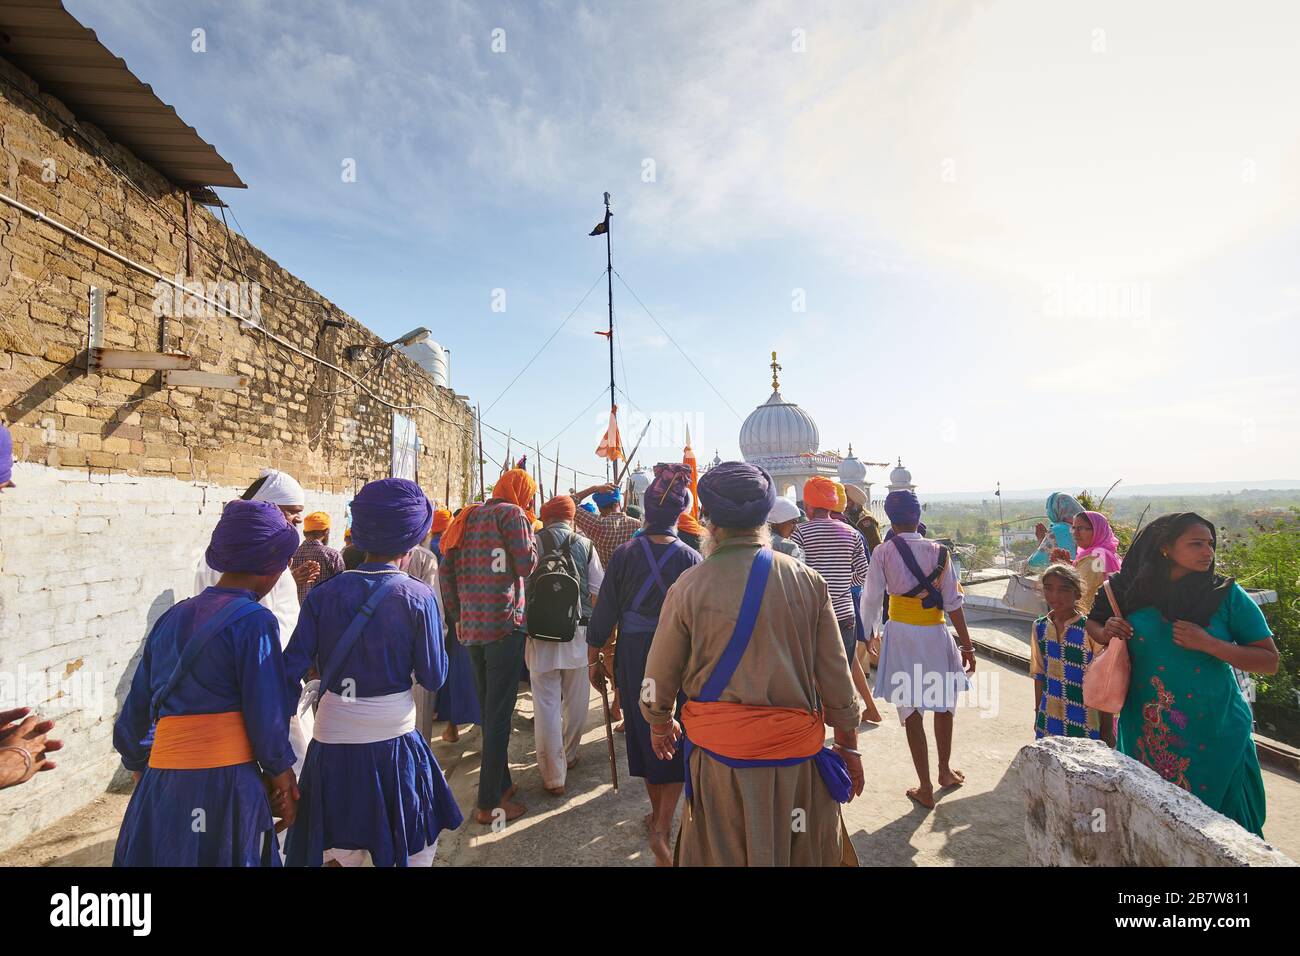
{"points": [[640, 481], [778, 428], [851, 471], [900, 476]]}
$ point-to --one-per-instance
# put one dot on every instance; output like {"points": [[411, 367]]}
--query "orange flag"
{"points": [[688, 458], [611, 446]]}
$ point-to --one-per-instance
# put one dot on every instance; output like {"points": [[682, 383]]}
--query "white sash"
{"points": [[364, 720]]}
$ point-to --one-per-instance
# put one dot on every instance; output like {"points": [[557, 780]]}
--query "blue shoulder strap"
{"points": [[236, 609], [745, 620], [934, 598], [349, 638], [656, 570]]}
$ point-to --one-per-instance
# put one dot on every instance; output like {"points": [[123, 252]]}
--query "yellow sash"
{"points": [[200, 742], [908, 610]]}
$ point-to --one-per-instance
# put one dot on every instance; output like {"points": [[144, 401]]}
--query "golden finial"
{"points": [[776, 385]]}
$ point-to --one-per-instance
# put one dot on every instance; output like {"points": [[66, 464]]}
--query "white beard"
{"points": [[712, 537]]}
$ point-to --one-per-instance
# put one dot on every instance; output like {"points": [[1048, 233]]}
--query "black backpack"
{"points": [[553, 597]]}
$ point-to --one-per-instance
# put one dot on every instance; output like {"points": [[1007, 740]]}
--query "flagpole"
{"points": [[609, 279], [479, 416], [1002, 521]]}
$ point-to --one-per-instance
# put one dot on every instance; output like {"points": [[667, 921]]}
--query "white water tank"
{"points": [[431, 357]]}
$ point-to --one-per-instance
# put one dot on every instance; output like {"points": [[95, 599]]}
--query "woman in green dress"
{"points": [[1186, 628]]}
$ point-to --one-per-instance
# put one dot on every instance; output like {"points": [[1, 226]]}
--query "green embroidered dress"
{"points": [[1185, 717]]}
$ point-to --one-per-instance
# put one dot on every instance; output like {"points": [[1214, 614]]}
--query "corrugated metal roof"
{"points": [[47, 43]]}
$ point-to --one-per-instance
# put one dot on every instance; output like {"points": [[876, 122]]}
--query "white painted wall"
{"points": [[87, 564]]}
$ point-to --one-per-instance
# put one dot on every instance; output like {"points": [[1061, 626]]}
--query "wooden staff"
{"points": [[446, 495], [609, 726], [481, 489]]}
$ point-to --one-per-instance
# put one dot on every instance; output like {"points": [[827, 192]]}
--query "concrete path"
{"points": [[980, 824]]}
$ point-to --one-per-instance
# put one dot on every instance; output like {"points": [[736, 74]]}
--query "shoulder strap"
{"points": [[236, 609], [744, 630], [656, 569], [933, 597], [349, 639]]}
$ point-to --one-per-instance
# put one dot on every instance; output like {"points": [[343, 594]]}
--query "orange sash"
{"points": [[200, 742], [750, 732]]}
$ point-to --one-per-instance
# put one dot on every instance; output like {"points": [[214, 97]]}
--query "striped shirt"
{"points": [[482, 580], [837, 553]]}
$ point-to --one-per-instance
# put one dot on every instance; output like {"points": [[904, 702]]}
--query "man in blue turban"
{"points": [[211, 685], [370, 784], [918, 576], [640, 573], [758, 628]]}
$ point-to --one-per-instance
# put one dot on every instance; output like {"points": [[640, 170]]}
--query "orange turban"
{"points": [[819, 492], [559, 508], [316, 521], [515, 486], [441, 520], [841, 498], [688, 524]]}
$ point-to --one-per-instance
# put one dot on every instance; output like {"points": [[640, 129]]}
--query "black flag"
{"points": [[602, 227]]}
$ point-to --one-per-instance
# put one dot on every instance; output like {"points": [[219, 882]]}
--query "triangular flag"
{"points": [[602, 227], [611, 446]]}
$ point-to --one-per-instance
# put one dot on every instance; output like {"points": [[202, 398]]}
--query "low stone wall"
{"points": [[1088, 805]]}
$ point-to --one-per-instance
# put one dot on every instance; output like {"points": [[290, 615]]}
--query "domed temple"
{"points": [[782, 438]]}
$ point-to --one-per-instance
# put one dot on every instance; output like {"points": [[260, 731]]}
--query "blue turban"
{"points": [[903, 507], [736, 494], [390, 516], [589, 507], [6, 455], [666, 497], [252, 537], [604, 499]]}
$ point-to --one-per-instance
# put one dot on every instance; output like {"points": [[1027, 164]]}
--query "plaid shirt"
{"points": [[330, 561], [606, 532], [482, 580]]}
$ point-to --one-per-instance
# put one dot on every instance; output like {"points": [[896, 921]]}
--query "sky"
{"points": [[1035, 242]]}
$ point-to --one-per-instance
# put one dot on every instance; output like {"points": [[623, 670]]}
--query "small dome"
{"points": [[640, 480], [778, 428], [900, 476], [851, 471]]}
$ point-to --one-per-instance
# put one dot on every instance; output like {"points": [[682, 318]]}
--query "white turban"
{"points": [[783, 510], [280, 489]]}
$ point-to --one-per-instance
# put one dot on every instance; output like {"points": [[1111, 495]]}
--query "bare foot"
{"points": [[870, 715], [923, 795], [660, 848], [512, 810], [452, 734], [951, 778], [556, 791], [514, 788], [619, 729]]}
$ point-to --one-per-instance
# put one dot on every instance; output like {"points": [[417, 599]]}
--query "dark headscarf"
{"points": [[903, 507], [1143, 580], [252, 537], [736, 494], [390, 516], [666, 498]]}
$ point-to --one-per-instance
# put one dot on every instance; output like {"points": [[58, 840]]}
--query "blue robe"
{"points": [[240, 669], [457, 699], [627, 572], [388, 797]]}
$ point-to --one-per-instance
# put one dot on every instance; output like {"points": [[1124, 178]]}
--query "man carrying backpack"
{"points": [[561, 594]]}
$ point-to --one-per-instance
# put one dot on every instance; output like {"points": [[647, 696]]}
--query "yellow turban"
{"points": [[316, 521], [841, 498]]}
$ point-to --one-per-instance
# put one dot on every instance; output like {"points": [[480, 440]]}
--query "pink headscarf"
{"points": [[1104, 543]]}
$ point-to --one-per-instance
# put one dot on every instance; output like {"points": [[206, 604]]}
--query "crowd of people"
{"points": [[296, 693]]}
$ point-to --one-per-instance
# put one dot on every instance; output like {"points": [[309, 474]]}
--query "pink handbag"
{"points": [[1105, 683]]}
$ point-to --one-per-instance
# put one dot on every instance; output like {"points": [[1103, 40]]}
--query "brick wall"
{"points": [[122, 477]]}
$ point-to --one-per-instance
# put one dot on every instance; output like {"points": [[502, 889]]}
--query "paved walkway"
{"points": [[980, 824]]}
